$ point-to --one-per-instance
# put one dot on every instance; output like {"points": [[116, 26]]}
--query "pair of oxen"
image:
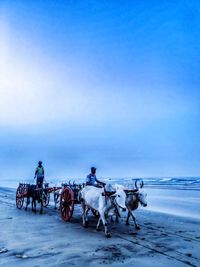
{"points": [[109, 200]]}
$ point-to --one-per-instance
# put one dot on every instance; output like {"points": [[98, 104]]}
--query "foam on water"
{"points": [[158, 182]]}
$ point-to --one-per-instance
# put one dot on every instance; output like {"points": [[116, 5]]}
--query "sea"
{"points": [[182, 183]]}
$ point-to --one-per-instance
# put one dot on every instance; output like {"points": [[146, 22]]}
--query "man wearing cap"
{"points": [[92, 179], [39, 174]]}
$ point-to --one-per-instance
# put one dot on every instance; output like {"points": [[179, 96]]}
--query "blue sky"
{"points": [[113, 84]]}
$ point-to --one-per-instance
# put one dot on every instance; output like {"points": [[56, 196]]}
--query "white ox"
{"points": [[56, 197], [95, 199]]}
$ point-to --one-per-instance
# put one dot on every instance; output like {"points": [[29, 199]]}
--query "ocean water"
{"points": [[183, 183]]}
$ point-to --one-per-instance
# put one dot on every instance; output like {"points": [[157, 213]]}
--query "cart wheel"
{"points": [[19, 197], [66, 204], [45, 198], [95, 213]]}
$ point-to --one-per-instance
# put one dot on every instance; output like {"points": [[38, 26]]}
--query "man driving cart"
{"points": [[92, 179]]}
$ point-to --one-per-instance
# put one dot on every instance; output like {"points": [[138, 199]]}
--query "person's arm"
{"points": [[43, 170], [36, 171], [99, 182]]}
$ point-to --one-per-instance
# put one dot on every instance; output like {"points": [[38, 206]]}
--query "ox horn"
{"points": [[141, 183], [136, 185]]}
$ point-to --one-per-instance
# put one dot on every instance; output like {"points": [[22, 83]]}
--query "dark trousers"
{"points": [[40, 180]]}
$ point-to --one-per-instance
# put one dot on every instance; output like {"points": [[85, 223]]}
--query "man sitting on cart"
{"points": [[92, 179], [39, 174]]}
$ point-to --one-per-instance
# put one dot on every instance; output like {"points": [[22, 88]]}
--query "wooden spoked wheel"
{"points": [[45, 198], [66, 204], [20, 197], [95, 213]]}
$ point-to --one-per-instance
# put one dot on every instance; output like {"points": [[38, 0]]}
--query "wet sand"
{"points": [[28, 239]]}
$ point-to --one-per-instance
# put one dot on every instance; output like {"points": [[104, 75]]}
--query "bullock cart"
{"points": [[22, 193]]}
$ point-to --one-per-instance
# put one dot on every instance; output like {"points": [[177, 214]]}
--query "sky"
{"points": [[111, 84]]}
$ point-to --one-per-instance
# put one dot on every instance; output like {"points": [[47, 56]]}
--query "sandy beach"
{"points": [[29, 239], [100, 92]]}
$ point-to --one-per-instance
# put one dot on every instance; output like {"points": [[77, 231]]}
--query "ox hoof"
{"points": [[137, 227], [85, 225], [108, 235], [40, 212], [98, 229], [127, 223]]}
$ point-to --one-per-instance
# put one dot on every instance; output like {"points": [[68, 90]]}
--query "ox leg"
{"points": [[83, 212], [41, 201], [86, 217], [57, 200], [34, 199], [98, 224], [111, 219], [27, 203], [85, 223], [127, 218], [41, 206], [55, 197], [133, 217], [105, 224], [117, 218], [34, 205]]}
